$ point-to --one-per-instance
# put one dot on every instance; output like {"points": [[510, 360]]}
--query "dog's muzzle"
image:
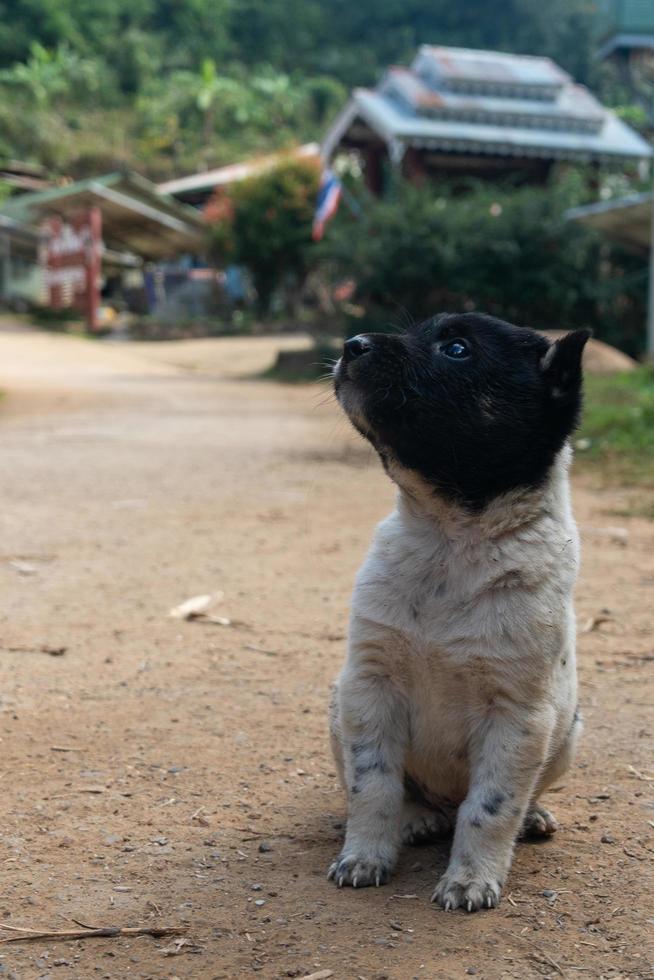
{"points": [[356, 347]]}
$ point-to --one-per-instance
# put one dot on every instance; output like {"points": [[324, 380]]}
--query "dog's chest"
{"points": [[459, 600], [432, 592]]}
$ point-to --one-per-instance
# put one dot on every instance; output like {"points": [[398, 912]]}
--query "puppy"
{"points": [[456, 706]]}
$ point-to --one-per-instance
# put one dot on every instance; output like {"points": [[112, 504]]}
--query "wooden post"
{"points": [[650, 291], [93, 269], [5, 265], [373, 169]]}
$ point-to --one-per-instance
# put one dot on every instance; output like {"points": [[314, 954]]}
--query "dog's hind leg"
{"points": [[539, 822], [423, 820], [423, 825]]}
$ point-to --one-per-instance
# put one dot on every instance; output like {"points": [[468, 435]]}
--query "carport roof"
{"points": [[135, 216], [627, 219]]}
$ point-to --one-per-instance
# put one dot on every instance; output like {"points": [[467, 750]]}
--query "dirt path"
{"points": [[174, 773]]}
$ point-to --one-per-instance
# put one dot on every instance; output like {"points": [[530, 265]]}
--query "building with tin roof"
{"points": [[457, 112], [626, 25]]}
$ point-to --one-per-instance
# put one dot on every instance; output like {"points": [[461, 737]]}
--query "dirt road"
{"points": [[161, 772]]}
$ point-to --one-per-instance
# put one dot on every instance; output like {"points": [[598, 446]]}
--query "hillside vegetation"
{"points": [[168, 86]]}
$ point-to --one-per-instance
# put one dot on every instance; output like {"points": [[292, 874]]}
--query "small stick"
{"points": [[88, 932], [545, 958], [51, 651], [641, 775]]}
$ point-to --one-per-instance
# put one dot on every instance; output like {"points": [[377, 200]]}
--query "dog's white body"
{"points": [[460, 675]]}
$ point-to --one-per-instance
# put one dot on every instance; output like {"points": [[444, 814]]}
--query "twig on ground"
{"points": [[88, 932], [51, 651], [641, 775], [544, 957]]}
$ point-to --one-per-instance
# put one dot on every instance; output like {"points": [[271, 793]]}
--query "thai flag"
{"points": [[329, 196]]}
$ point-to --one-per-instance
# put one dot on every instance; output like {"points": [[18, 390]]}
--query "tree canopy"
{"points": [[172, 85]]}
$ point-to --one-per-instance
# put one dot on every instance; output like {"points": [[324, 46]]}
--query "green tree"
{"points": [[269, 229], [48, 75]]}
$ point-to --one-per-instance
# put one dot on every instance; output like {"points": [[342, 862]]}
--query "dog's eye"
{"points": [[456, 349]]}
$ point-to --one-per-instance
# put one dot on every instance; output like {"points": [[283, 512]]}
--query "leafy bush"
{"points": [[618, 425], [267, 228], [509, 252]]}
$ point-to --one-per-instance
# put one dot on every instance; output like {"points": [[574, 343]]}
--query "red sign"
{"points": [[73, 255]]}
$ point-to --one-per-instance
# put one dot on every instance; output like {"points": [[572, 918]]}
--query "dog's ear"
{"points": [[561, 364]]}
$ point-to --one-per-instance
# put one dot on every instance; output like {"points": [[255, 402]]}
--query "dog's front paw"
{"points": [[466, 892], [359, 870]]}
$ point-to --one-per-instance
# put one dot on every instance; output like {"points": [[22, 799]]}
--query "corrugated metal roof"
{"points": [[223, 176], [626, 219], [614, 138], [536, 111], [575, 107], [135, 215], [487, 67]]}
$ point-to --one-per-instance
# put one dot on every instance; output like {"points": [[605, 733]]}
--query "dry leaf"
{"points": [[179, 946], [23, 567], [198, 605], [640, 775], [594, 623]]}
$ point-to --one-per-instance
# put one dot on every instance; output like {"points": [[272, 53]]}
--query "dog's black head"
{"points": [[474, 405]]}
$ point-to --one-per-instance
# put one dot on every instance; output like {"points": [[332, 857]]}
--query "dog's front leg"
{"points": [[373, 735], [507, 755]]}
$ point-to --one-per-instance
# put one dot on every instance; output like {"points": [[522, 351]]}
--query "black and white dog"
{"points": [[456, 706]]}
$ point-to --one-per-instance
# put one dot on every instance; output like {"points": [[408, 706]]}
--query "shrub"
{"points": [[268, 229], [509, 252]]}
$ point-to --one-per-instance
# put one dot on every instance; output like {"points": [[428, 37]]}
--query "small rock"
{"points": [[260, 901], [471, 971], [265, 847], [607, 839], [257, 888], [548, 893]]}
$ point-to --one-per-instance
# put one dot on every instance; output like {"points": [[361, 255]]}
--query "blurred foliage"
{"points": [[170, 86], [267, 228], [509, 252], [618, 425]]}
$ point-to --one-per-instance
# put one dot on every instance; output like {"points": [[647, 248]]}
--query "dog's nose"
{"points": [[355, 347]]}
